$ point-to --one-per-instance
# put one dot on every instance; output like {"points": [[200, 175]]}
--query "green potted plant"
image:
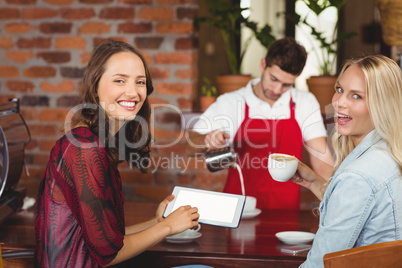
{"points": [[226, 15], [208, 94], [322, 85]]}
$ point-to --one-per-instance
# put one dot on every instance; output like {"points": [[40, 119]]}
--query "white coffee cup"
{"points": [[186, 233], [282, 166], [250, 203]]}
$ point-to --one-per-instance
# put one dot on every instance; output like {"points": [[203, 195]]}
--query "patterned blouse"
{"points": [[79, 208]]}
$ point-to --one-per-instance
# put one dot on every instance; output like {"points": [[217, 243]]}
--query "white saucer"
{"points": [[251, 214], [183, 239], [295, 237]]}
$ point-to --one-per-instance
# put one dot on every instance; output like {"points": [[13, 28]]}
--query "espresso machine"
{"points": [[14, 136]]}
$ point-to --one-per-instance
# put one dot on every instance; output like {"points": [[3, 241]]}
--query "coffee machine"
{"points": [[14, 136]]}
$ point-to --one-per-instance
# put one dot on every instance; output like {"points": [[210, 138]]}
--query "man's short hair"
{"points": [[288, 55]]}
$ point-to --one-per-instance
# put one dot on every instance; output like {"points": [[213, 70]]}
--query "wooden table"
{"points": [[253, 244]]}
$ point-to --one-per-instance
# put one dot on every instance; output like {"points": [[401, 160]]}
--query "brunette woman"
{"points": [[80, 220]]}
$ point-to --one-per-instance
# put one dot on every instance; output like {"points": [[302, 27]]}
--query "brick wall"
{"points": [[44, 46]]}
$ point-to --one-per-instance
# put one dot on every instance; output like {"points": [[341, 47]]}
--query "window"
{"points": [[265, 11]]}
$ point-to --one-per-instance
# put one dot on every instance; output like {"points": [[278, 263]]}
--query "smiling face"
{"points": [[350, 104], [122, 88], [274, 82]]}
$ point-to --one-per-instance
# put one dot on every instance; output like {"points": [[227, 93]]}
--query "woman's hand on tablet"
{"points": [[181, 219], [162, 206]]}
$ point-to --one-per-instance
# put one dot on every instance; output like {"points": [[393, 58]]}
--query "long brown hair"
{"points": [[135, 131]]}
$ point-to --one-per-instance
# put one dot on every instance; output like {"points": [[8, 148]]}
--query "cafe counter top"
{"points": [[252, 244]]}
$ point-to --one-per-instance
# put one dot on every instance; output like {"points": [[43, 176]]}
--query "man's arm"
{"points": [[199, 143], [195, 142], [320, 156]]}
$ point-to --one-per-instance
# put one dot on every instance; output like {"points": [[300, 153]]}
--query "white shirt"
{"points": [[227, 113]]}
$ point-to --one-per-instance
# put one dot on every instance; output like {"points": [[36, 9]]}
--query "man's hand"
{"points": [[200, 143], [216, 139]]}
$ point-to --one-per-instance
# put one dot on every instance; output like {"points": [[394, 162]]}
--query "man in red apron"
{"points": [[268, 116], [277, 136]]}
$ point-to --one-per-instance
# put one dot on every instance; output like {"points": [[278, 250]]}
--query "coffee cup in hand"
{"points": [[282, 166]]}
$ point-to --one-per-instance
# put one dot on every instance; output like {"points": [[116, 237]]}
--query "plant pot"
{"points": [[205, 102], [231, 82], [323, 89]]}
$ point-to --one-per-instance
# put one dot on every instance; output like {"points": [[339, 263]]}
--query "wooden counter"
{"points": [[253, 244]]}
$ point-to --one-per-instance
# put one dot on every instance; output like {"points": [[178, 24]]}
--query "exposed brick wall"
{"points": [[44, 47]]}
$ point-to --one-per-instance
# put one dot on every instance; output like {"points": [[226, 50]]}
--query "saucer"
{"points": [[251, 214], [295, 237], [183, 239]]}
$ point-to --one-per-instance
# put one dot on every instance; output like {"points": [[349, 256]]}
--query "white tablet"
{"points": [[215, 208]]}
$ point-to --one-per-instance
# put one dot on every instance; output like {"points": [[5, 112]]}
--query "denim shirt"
{"points": [[362, 204]]}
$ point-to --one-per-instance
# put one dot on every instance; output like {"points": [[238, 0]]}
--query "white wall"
{"points": [[261, 11], [265, 11]]}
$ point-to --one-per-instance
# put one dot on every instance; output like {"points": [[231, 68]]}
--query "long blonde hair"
{"points": [[383, 79]]}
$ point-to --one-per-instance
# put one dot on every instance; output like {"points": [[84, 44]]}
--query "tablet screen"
{"points": [[215, 208]]}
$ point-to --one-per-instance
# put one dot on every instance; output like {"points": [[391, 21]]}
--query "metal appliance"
{"points": [[220, 159], [14, 136]]}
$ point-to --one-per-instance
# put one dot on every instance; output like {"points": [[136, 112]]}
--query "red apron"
{"points": [[254, 141]]}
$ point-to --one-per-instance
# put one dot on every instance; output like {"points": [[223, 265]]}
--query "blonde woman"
{"points": [[361, 204]]}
